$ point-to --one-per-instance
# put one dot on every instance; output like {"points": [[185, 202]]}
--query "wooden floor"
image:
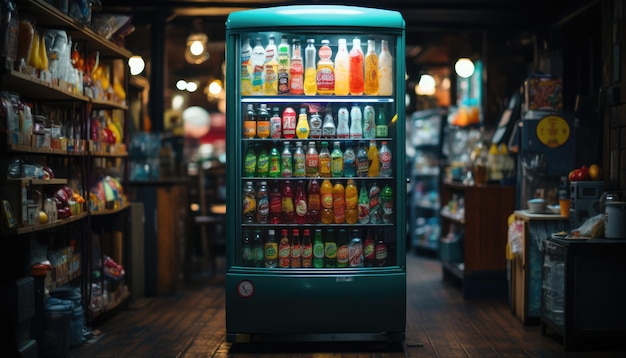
{"points": [[439, 324]]}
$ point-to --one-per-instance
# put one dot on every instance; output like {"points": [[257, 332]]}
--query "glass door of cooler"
{"points": [[315, 169]]}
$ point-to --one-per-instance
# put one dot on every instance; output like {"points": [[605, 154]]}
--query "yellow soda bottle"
{"points": [[339, 203], [352, 198], [310, 71], [326, 191], [270, 69], [302, 128], [342, 69], [385, 70], [374, 161], [325, 70], [246, 68], [371, 70]]}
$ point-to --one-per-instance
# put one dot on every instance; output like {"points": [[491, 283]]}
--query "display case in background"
{"points": [[424, 160], [365, 299]]}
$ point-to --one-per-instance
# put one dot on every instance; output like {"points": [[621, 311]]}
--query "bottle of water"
{"points": [[356, 122]]}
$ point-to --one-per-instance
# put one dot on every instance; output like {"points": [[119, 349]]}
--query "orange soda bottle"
{"points": [[327, 202], [310, 69], [339, 204], [325, 77], [352, 197], [356, 68]]}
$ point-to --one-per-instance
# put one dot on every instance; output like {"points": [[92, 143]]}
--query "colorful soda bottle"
{"points": [[262, 204], [310, 72], [289, 122], [339, 203], [263, 122], [325, 161], [275, 199], [284, 250], [286, 203], [263, 163], [356, 68], [370, 87], [349, 161], [276, 125], [369, 249], [258, 67], [314, 202], [270, 249], [343, 123], [258, 249], [286, 162], [369, 122], [299, 161], [342, 248], [336, 161], [307, 249], [362, 162], [315, 124], [364, 205], [246, 68], [249, 203], [355, 250], [381, 249], [250, 162], [326, 191], [296, 249], [385, 70], [302, 128], [300, 201], [386, 198], [330, 249], [342, 69], [325, 77], [382, 130], [376, 210], [296, 70], [284, 64], [318, 249], [385, 160], [373, 169], [351, 200], [312, 161], [270, 69], [249, 122], [274, 164]]}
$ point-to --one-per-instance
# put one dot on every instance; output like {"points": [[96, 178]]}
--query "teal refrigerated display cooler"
{"points": [[316, 193]]}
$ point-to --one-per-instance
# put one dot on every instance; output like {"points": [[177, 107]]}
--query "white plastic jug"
{"points": [[615, 220]]}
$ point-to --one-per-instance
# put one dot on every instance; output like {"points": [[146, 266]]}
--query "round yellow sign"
{"points": [[553, 131]]}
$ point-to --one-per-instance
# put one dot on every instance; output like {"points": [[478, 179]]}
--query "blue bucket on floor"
{"points": [[73, 296], [56, 334]]}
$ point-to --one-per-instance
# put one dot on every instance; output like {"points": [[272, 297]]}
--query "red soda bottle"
{"points": [[296, 249], [286, 203], [369, 249], [275, 203], [307, 249], [315, 202], [284, 249], [381, 249], [289, 122], [300, 202]]}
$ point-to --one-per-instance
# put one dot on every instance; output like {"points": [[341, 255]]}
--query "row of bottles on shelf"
{"points": [[327, 248], [370, 162], [282, 70], [27, 125], [325, 203], [355, 123]]}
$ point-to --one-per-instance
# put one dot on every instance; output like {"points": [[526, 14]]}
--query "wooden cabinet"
{"points": [[527, 266], [474, 235]]}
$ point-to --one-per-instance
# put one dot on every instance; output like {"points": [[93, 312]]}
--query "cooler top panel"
{"points": [[315, 15]]}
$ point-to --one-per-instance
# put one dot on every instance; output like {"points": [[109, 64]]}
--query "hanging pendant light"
{"points": [[196, 51]]}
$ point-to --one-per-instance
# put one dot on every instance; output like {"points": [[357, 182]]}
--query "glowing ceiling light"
{"points": [[464, 67]]}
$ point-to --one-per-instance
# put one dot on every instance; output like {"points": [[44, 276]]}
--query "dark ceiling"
{"points": [[436, 30]]}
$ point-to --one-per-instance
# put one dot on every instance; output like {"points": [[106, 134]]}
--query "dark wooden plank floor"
{"points": [[439, 324]]}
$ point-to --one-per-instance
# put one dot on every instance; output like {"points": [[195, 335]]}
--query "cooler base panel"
{"points": [[318, 307]]}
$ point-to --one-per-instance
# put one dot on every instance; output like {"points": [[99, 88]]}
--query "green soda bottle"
{"points": [[318, 249]]}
